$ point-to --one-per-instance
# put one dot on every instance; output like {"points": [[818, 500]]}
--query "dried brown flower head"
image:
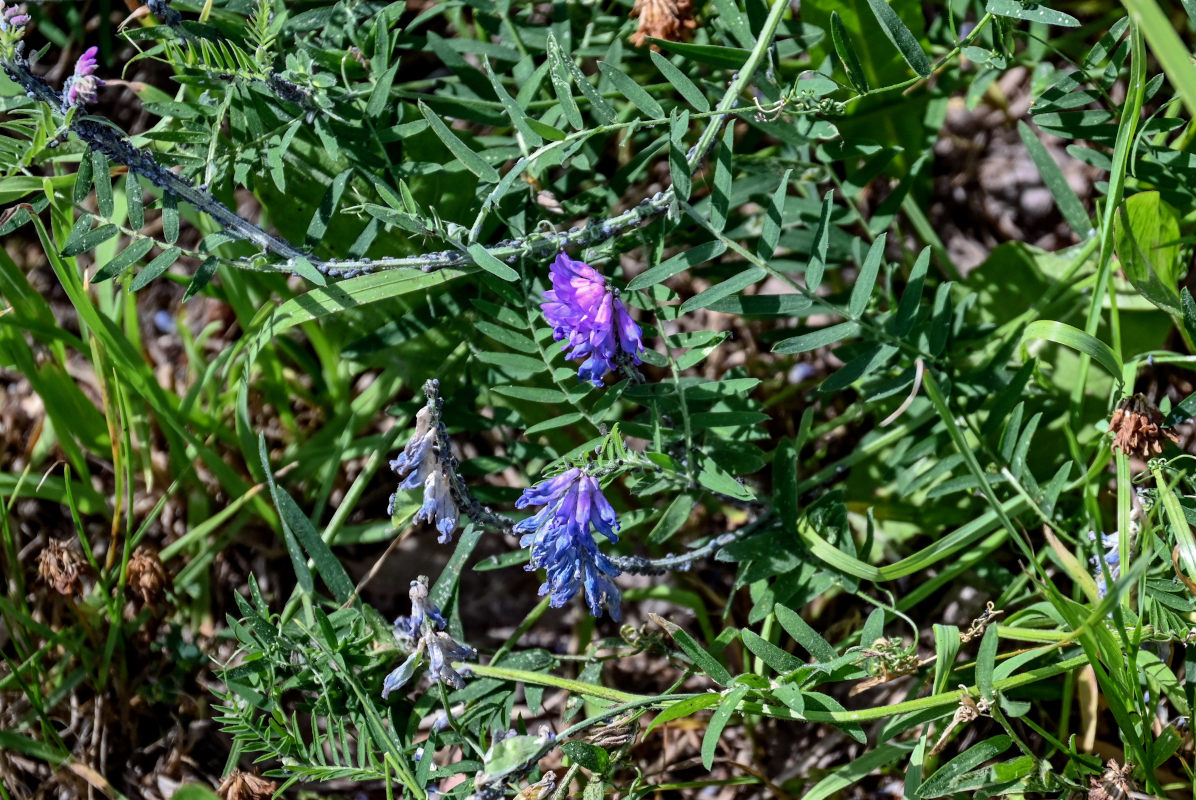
{"points": [[540, 789], [62, 567], [240, 785], [1138, 428], [147, 577], [1115, 783], [663, 19]]}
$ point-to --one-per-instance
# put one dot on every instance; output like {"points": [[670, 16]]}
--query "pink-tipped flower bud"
{"points": [[81, 87], [12, 18]]}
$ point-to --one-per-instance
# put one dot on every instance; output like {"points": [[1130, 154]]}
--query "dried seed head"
{"points": [[62, 567], [540, 789], [147, 577], [1115, 783], [245, 786], [663, 19], [1138, 428]]}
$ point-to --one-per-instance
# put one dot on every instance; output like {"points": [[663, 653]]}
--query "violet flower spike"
{"points": [[80, 88], [587, 313], [562, 543]]}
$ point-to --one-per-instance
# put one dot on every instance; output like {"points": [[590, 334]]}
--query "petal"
{"points": [[630, 335]]}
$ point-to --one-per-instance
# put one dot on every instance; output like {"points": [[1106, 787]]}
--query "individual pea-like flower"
{"points": [[586, 312], [80, 88], [423, 632], [562, 544], [13, 19], [420, 464], [1112, 558]]}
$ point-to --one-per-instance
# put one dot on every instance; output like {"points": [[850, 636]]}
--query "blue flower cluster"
{"points": [[586, 312], [420, 465], [564, 547]]}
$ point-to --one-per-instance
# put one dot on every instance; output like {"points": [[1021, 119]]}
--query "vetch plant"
{"points": [[788, 349]]}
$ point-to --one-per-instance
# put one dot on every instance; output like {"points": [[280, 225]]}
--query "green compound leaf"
{"points": [[561, 75], [203, 276], [986, 659], [688, 259], [82, 240], [702, 660], [819, 338], [781, 662], [683, 708], [866, 280], [722, 57], [847, 54], [901, 37], [946, 648], [1030, 12], [135, 201], [155, 268], [170, 218], [592, 757], [83, 178], [804, 635], [102, 177], [1065, 198], [486, 261], [1146, 236], [124, 259], [718, 721], [468, 158], [944, 781], [684, 86], [299, 532], [632, 91]]}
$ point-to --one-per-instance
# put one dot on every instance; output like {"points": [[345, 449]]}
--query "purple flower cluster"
{"points": [[12, 18], [564, 547], [419, 465], [585, 311], [80, 88]]}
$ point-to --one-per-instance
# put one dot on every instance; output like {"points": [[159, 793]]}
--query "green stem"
{"points": [[779, 712], [1121, 154]]}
